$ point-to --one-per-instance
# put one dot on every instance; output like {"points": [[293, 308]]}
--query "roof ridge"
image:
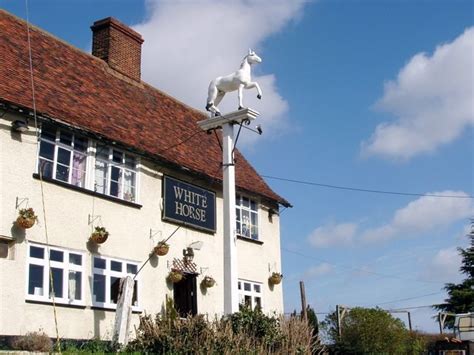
{"points": [[39, 29]]}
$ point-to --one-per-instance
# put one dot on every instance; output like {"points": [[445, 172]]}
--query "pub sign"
{"points": [[189, 204]]}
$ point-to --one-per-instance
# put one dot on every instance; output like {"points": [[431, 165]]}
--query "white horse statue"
{"points": [[238, 80]]}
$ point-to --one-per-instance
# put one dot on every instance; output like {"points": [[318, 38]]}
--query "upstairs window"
{"points": [[246, 217], [67, 271], [115, 173], [76, 160], [62, 156]]}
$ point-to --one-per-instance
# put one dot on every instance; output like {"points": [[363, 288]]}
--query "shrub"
{"points": [[368, 331], [255, 324], [33, 341], [246, 332]]}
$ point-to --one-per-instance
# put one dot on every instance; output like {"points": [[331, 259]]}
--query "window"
{"points": [[250, 294], [107, 273], [67, 270], [115, 173], [62, 156], [247, 217]]}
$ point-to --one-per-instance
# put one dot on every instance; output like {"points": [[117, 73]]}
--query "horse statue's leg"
{"points": [[211, 98], [241, 89], [219, 97], [254, 84]]}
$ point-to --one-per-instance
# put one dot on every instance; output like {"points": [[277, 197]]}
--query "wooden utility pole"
{"points": [[440, 323], [304, 310], [338, 318]]}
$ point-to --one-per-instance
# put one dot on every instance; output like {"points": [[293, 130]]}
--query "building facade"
{"points": [[104, 149]]}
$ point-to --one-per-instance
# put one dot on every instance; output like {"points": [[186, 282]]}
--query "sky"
{"points": [[375, 95]]}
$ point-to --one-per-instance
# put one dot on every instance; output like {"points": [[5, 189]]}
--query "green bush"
{"points": [[255, 324], [368, 331], [94, 345]]}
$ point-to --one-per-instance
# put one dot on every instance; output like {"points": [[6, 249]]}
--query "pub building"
{"points": [[97, 150]]}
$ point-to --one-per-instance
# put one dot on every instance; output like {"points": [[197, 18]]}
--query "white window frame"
{"points": [[122, 166], [65, 265], [57, 145], [90, 164], [239, 207], [109, 273], [253, 293]]}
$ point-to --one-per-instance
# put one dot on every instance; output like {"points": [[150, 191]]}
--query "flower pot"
{"points": [[25, 223], [161, 249], [275, 279], [98, 238], [175, 276], [208, 282]]}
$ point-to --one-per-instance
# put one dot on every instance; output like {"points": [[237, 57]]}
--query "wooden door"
{"points": [[185, 296]]}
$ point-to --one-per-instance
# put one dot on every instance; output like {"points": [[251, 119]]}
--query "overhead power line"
{"points": [[413, 307], [409, 299], [358, 269], [184, 140], [339, 187]]}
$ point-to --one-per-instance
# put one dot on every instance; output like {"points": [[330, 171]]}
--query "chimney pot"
{"points": [[118, 45]]}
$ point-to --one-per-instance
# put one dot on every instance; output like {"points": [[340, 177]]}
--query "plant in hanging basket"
{"points": [[208, 282], [26, 218], [275, 279], [99, 235], [175, 276], [161, 248]]}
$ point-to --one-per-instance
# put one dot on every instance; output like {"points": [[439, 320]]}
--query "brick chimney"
{"points": [[118, 45]]}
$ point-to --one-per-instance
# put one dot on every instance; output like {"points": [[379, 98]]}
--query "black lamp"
{"points": [[188, 254], [20, 126]]}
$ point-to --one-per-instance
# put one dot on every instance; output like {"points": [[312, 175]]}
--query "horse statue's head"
{"points": [[253, 58]]}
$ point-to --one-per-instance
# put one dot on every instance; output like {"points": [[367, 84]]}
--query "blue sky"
{"points": [[369, 94]]}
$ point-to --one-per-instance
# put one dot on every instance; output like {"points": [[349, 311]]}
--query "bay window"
{"points": [[246, 217], [67, 271]]}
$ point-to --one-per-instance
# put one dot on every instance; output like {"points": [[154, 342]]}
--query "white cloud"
{"points": [[423, 214], [443, 267], [333, 235], [318, 270], [426, 213], [189, 43], [432, 99]]}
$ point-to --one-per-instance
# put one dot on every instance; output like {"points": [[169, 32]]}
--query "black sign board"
{"points": [[189, 204]]}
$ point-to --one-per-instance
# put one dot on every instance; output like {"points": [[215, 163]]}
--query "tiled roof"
{"points": [[81, 90]]}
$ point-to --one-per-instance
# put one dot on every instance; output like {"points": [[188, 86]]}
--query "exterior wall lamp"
{"points": [[20, 126], [188, 254]]}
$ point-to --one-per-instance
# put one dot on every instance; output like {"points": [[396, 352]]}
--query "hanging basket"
{"points": [[208, 282], [275, 279], [99, 236], [175, 276], [26, 218], [25, 223], [161, 248]]}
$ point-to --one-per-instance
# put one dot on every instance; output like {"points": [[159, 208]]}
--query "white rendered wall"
{"points": [[67, 222]]}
